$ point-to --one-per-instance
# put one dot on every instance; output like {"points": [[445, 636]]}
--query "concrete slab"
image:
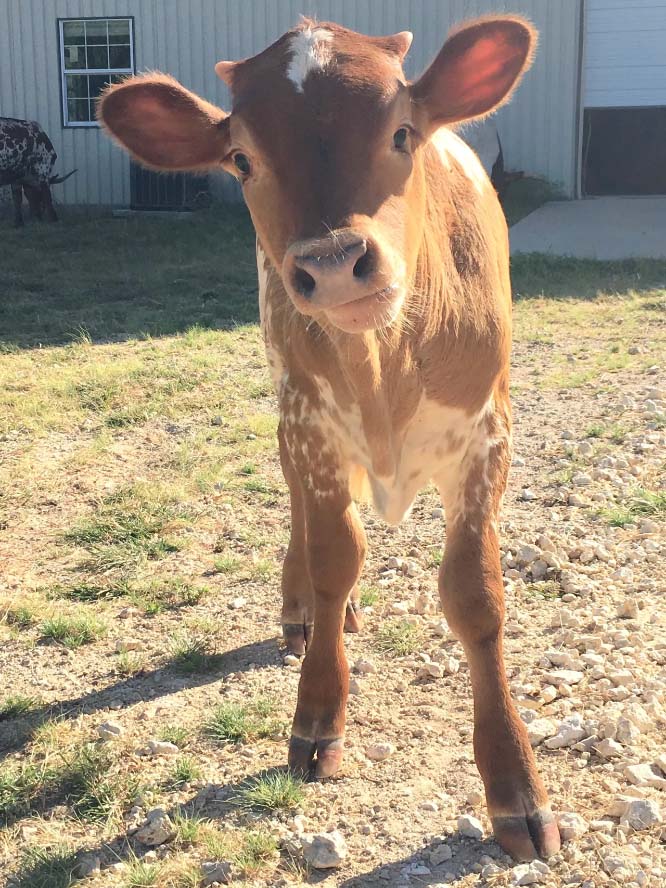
{"points": [[595, 228]]}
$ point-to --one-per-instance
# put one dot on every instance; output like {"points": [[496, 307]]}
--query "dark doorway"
{"points": [[167, 191], [624, 151]]}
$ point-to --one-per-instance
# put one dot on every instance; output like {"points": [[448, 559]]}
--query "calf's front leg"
{"points": [[335, 550], [472, 596]]}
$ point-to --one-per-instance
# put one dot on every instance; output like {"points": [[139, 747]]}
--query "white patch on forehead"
{"points": [[311, 51], [450, 146]]}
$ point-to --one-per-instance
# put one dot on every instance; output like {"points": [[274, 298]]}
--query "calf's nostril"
{"points": [[304, 283], [365, 265]]}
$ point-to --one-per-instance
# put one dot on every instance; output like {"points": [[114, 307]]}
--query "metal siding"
{"points": [[187, 37], [624, 54]]}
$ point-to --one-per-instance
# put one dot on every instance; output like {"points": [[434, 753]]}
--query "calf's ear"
{"points": [[476, 70], [163, 125]]}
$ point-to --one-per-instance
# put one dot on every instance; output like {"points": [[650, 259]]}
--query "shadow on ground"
{"points": [[103, 279], [144, 686]]}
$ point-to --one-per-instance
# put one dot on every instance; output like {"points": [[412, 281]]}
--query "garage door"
{"points": [[625, 53]]}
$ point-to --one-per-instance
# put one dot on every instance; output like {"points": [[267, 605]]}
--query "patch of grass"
{"points": [[16, 705], [130, 663], [20, 616], [140, 874], [228, 564], [92, 793], [23, 787], [239, 722], [595, 431], [185, 770], [90, 592], [192, 653], [546, 589], [642, 503], [525, 195], [272, 791], [188, 826], [435, 557], [263, 569], [166, 594], [258, 849], [555, 277], [175, 734], [72, 632], [248, 469], [53, 867], [370, 595], [398, 638]]}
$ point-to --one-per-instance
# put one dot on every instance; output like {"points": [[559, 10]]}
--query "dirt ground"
{"points": [[192, 622]]}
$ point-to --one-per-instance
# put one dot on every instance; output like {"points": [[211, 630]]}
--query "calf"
{"points": [[385, 306], [27, 158]]}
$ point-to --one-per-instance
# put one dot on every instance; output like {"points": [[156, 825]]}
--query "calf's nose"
{"points": [[328, 271]]}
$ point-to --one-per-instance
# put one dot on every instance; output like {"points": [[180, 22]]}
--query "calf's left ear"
{"points": [[476, 70], [163, 125]]}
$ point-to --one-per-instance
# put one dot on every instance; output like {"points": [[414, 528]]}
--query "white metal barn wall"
{"points": [[187, 37]]}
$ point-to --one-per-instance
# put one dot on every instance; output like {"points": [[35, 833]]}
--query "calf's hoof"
{"points": [[324, 756], [297, 637], [353, 617], [529, 834]]}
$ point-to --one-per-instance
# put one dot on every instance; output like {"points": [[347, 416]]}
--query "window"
{"points": [[93, 52]]}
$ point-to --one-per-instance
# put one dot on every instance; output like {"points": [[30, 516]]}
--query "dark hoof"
{"points": [[353, 617], [528, 836], [297, 637], [324, 756]]}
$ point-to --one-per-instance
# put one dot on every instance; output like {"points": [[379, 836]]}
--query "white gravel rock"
{"points": [[110, 730], [609, 748], [569, 731], [324, 850], [572, 826], [157, 828], [644, 775], [379, 752], [564, 676], [215, 872], [161, 747], [470, 826], [530, 873], [430, 670], [365, 667], [539, 729], [641, 814], [440, 854], [128, 644]]}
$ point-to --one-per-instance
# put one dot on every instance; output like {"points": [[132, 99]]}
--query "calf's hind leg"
{"points": [[472, 597]]}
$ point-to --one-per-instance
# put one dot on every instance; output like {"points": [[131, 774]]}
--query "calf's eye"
{"points": [[242, 164], [400, 138]]}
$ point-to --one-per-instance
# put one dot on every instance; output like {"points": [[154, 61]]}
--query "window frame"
{"points": [[61, 22]]}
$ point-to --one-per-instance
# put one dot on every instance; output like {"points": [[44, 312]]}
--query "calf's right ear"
{"points": [[163, 125]]}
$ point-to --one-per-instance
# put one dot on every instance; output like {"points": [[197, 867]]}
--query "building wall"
{"points": [[187, 37]]}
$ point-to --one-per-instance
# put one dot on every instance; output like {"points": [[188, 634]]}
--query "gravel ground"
{"points": [[586, 654]]}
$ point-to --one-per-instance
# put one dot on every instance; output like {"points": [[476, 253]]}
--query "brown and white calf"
{"points": [[386, 310]]}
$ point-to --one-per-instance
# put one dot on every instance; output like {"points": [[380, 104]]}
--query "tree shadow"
{"points": [[100, 279], [144, 686]]}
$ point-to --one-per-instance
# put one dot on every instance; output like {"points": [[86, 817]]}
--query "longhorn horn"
{"points": [[58, 180]]}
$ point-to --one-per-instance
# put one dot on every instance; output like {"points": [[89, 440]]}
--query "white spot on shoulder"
{"points": [[311, 51], [450, 146]]}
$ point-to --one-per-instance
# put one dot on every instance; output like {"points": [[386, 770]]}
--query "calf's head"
{"points": [[326, 137]]}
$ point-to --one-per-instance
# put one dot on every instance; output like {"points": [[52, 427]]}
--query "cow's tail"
{"points": [[58, 180]]}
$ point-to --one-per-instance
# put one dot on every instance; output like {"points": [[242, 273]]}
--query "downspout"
{"points": [[579, 110]]}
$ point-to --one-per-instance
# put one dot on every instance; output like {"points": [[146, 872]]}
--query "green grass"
{"points": [[193, 653], [188, 826], [121, 278], [185, 770], [545, 589], [258, 849], [52, 867], [642, 504], [73, 632], [130, 663], [16, 705], [174, 734], [526, 195], [80, 777], [20, 616], [370, 595], [240, 722], [398, 638], [272, 791], [141, 874]]}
